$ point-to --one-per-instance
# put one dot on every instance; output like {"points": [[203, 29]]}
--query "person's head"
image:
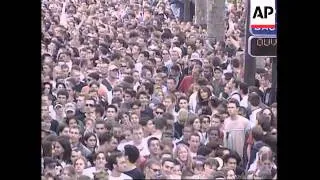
{"points": [[137, 134], [63, 130], [210, 166], [111, 112], [100, 127], [80, 164], [116, 130], [187, 131], [62, 96], [233, 107], [217, 73], [182, 153], [265, 158], [159, 110], [213, 134], [169, 118], [152, 169], [136, 107], [229, 173], [194, 142], [183, 103], [108, 142], [99, 160], [171, 83], [216, 121], [208, 70], [169, 101], [113, 71], [62, 148], [117, 162], [90, 140], [167, 166], [254, 99], [154, 146], [244, 88], [204, 93], [75, 153], [75, 134], [143, 97], [132, 153], [90, 105], [117, 92], [195, 123], [205, 122], [265, 80], [128, 95], [230, 161], [81, 103], [68, 172]]}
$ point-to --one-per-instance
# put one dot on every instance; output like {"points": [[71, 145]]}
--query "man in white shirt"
{"points": [[137, 140], [117, 165]]}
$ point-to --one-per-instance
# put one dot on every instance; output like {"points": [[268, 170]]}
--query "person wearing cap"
{"points": [[70, 110]]}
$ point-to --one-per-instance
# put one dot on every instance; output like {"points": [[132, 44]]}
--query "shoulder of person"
{"points": [[124, 176]]}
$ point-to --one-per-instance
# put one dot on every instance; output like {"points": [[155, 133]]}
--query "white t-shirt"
{"points": [[253, 117], [89, 172], [121, 177], [143, 147]]}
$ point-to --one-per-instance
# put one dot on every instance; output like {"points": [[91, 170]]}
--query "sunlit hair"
{"points": [[187, 164]]}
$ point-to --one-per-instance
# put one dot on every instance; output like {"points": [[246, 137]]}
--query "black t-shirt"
{"points": [[54, 126], [135, 174], [80, 115], [78, 87], [177, 130]]}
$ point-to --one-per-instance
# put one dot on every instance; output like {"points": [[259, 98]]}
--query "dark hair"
{"points": [[232, 155], [265, 122], [167, 159], [136, 102], [112, 159], [161, 106], [88, 135], [105, 137], [132, 152], [61, 127], [257, 133], [244, 87], [142, 93], [159, 123], [152, 139], [65, 143], [95, 155], [112, 106], [254, 99], [63, 92], [99, 109], [234, 101], [205, 89], [60, 83]]}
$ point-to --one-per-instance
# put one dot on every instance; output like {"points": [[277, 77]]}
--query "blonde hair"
{"points": [[187, 164]]}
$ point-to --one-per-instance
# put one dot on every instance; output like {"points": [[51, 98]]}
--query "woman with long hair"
{"points": [[183, 155], [62, 150], [90, 141]]}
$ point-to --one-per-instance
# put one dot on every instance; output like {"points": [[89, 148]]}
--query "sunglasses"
{"points": [[159, 113]]}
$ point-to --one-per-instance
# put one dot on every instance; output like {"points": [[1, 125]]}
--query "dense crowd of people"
{"points": [[132, 91]]}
